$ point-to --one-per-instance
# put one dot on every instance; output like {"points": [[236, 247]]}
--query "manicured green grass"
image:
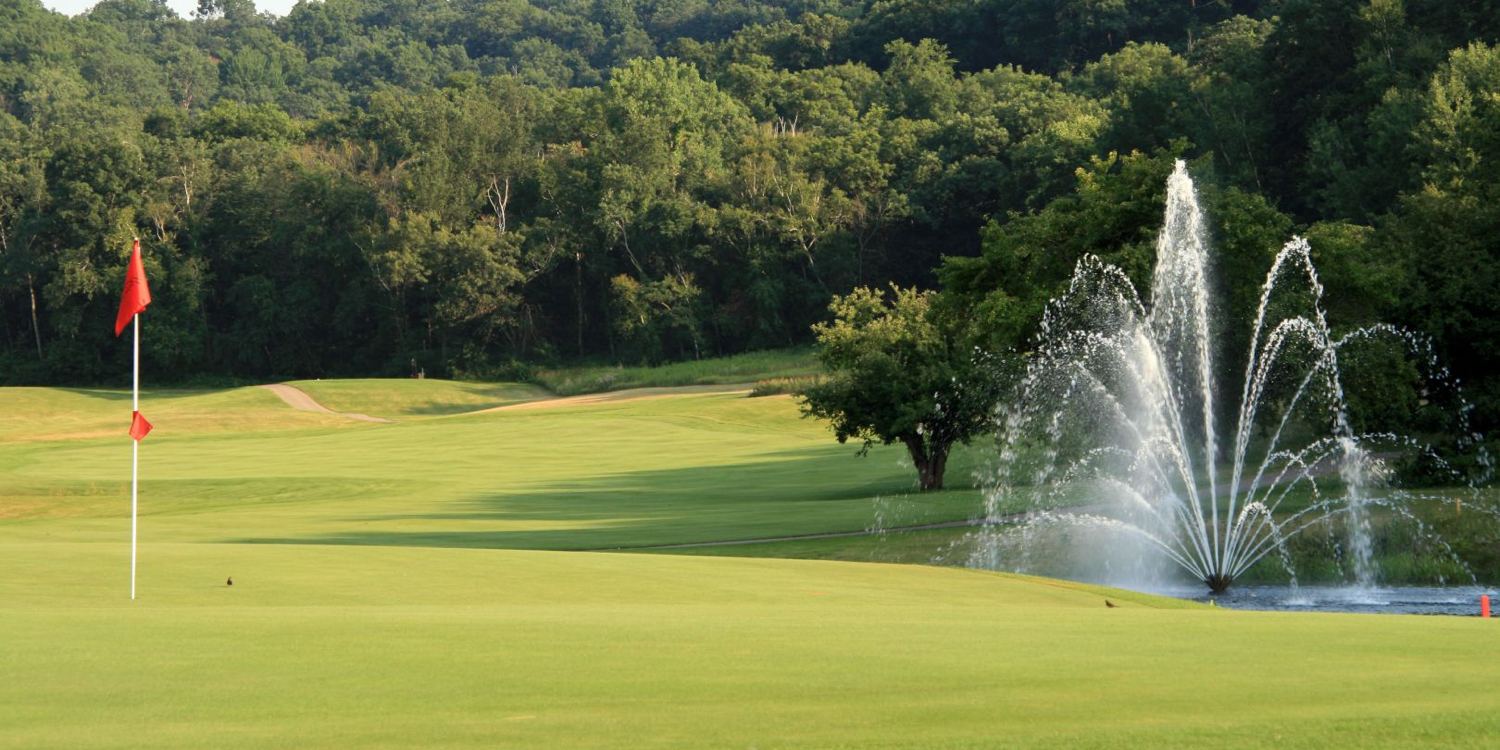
{"points": [[740, 368], [369, 609], [615, 474], [1404, 554], [412, 399], [384, 647], [947, 546], [51, 414]]}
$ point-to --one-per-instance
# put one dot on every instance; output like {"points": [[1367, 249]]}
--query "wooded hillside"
{"points": [[478, 183]]}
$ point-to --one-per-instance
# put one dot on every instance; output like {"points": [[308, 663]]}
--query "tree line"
{"points": [[481, 184]]}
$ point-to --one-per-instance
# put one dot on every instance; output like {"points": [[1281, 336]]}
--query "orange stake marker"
{"points": [[1484, 605]]}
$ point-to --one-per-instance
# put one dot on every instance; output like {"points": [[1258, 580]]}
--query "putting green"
{"points": [[368, 609]]}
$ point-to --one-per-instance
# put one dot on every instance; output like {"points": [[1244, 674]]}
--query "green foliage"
{"points": [[652, 316], [1148, 91], [782, 386], [1114, 214], [898, 371], [479, 184], [230, 119], [1447, 229]]}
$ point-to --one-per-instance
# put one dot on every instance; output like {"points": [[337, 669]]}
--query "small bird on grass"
{"points": [[229, 582], [1110, 604]]}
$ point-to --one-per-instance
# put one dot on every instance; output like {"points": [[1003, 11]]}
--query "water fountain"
{"points": [[1119, 429]]}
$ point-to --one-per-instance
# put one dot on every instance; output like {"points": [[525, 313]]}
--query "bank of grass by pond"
{"points": [[1435, 543], [1405, 553]]}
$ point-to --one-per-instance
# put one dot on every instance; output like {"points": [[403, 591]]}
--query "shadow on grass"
{"points": [[793, 493], [441, 409], [494, 396], [122, 393]]}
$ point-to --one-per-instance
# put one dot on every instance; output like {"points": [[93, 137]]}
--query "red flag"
{"points": [[139, 427], [137, 294]]}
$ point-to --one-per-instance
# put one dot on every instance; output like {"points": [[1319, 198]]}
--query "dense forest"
{"points": [[480, 184]]}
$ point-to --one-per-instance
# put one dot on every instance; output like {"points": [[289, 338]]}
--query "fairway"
{"points": [[401, 585], [609, 474]]}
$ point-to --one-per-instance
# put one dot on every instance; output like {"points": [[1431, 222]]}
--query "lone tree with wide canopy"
{"points": [[900, 370]]}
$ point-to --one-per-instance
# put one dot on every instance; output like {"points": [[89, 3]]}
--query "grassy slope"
{"points": [[412, 399], [49, 414], [616, 474], [406, 641], [740, 368]]}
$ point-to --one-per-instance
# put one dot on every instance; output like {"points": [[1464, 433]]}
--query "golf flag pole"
{"points": [[135, 445], [135, 298]]}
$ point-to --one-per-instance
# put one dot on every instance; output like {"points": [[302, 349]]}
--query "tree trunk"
{"points": [[499, 198], [931, 461], [578, 294], [36, 330]]}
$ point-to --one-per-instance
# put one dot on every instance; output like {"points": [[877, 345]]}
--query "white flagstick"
{"points": [[135, 445]]}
